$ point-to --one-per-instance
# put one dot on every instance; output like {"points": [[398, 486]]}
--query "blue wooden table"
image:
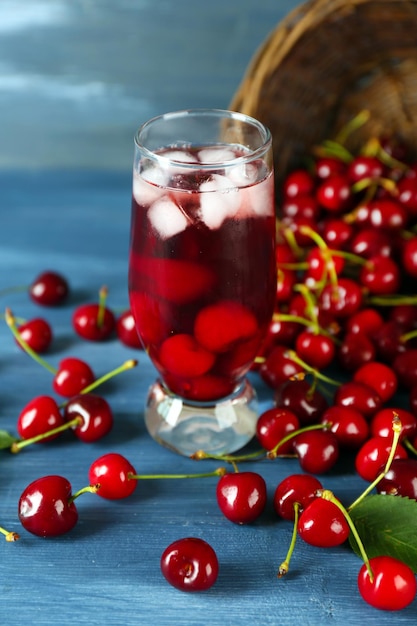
{"points": [[65, 204]]}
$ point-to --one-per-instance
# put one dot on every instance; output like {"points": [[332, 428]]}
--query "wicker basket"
{"points": [[326, 61]]}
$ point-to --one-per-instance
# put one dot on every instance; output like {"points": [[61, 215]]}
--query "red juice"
{"points": [[202, 276]]}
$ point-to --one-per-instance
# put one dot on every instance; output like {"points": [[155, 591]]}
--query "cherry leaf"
{"points": [[6, 439], [387, 526]]}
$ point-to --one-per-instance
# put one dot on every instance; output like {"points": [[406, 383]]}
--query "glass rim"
{"points": [[253, 153]]}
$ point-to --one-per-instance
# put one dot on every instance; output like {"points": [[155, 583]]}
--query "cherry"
{"points": [[72, 376], [241, 496], [364, 166], [317, 450], [336, 233], [46, 507], [380, 275], [389, 340], [94, 321], [355, 350], [286, 280], [400, 480], [37, 334], [359, 396], [379, 377], [273, 425], [314, 348], [278, 367], [342, 300], [301, 206], [407, 194], [373, 455], [96, 417], [300, 397], [320, 264], [113, 472], [220, 326], [328, 166], [49, 289], [393, 586], [182, 355], [384, 213], [190, 564], [296, 488], [38, 416], [334, 193], [323, 524], [367, 321], [405, 367], [298, 183], [409, 257], [369, 242], [349, 426], [126, 330], [381, 424]]}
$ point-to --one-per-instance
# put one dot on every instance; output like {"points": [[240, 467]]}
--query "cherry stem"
{"points": [[285, 565], [410, 446], [11, 323], [353, 124], [396, 427], [227, 458], [220, 471], [325, 250], [392, 300], [103, 293], [9, 535], [127, 365], [292, 242], [311, 370], [273, 453], [22, 443], [310, 303], [328, 495], [87, 489], [408, 336]]}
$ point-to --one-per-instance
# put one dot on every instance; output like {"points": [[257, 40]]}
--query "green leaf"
{"points": [[6, 439], [387, 526]]}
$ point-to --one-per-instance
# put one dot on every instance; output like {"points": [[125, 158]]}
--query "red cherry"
{"points": [[359, 396], [45, 507], [273, 425], [219, 326], [349, 426], [304, 206], [405, 367], [182, 355], [201, 388], [317, 450], [355, 350], [49, 289], [286, 280], [301, 398], [372, 456], [37, 333], [407, 195], [367, 321], [341, 300], [329, 166], [73, 375], [112, 472], [409, 256], [334, 193], [381, 424], [379, 377], [298, 183], [241, 496], [296, 488], [126, 330], [40, 415], [322, 524], [320, 264], [278, 367], [364, 166], [384, 213], [316, 349], [336, 233], [190, 564], [393, 586], [370, 242], [380, 275], [95, 413], [85, 321], [400, 480]]}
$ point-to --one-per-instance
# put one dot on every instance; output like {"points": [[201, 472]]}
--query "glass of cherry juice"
{"points": [[202, 274]]}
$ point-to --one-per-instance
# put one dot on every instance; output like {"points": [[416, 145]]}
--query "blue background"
{"points": [[77, 77]]}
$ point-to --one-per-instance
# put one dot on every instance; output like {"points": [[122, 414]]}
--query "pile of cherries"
{"points": [[340, 359]]}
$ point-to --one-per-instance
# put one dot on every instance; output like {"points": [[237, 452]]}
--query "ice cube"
{"points": [[149, 185], [244, 174], [216, 155], [258, 199], [167, 218], [219, 200], [179, 156]]}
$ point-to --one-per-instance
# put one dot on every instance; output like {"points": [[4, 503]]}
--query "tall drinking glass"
{"points": [[202, 275]]}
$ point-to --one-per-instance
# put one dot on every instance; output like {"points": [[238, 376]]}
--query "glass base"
{"points": [[220, 427]]}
